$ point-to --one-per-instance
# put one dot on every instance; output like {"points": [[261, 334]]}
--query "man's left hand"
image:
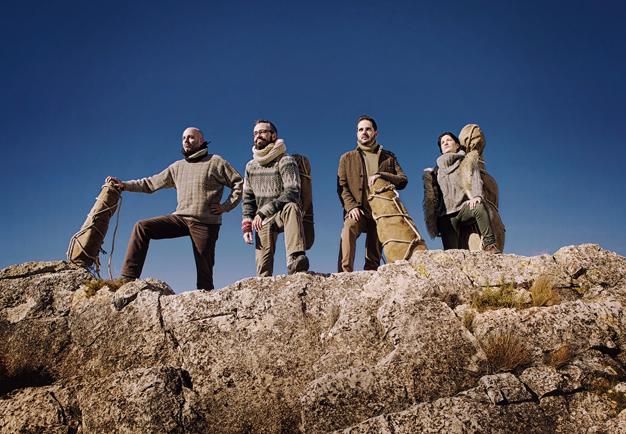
{"points": [[372, 179], [257, 223], [216, 208]]}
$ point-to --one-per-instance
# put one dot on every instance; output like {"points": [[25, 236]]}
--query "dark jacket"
{"points": [[352, 177]]}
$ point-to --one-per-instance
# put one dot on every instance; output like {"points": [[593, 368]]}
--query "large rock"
{"points": [[393, 350]]}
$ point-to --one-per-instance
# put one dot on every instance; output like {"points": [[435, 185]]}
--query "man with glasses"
{"points": [[271, 196]]}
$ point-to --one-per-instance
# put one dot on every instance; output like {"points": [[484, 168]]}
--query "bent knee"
{"points": [[291, 206]]}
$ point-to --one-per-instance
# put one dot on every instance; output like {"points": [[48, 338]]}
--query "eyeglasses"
{"points": [[259, 132]]}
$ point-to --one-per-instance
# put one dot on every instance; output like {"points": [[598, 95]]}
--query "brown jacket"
{"points": [[352, 177]]}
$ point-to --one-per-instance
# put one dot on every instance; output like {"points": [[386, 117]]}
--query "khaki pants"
{"points": [[288, 220], [349, 234], [203, 239]]}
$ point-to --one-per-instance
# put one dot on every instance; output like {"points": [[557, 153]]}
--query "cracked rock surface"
{"points": [[403, 349]]}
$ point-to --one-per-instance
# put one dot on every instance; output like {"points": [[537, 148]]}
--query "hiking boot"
{"points": [[299, 262], [492, 248]]}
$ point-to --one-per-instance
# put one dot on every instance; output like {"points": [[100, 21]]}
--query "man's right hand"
{"points": [[355, 214], [247, 237], [115, 181]]}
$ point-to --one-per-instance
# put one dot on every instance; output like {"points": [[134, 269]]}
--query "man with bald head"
{"points": [[199, 180]]}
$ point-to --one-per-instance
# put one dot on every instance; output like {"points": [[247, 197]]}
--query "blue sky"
{"points": [[91, 89]]}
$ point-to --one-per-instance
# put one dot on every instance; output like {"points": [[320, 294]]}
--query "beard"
{"points": [[261, 144]]}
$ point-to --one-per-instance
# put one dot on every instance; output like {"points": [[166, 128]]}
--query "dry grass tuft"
{"points": [[560, 357], [492, 298], [468, 319], [542, 292], [94, 285], [506, 352]]}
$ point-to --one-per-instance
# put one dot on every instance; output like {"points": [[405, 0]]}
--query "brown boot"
{"points": [[492, 248]]}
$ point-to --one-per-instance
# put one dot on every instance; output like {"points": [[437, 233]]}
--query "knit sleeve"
{"points": [[232, 179], [477, 183], [156, 182], [290, 177], [248, 206]]}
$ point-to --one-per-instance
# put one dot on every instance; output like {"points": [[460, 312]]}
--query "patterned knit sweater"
{"points": [[268, 188], [198, 184]]}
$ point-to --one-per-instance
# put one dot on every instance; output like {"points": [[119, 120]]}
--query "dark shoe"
{"points": [[492, 248], [298, 263], [125, 279]]}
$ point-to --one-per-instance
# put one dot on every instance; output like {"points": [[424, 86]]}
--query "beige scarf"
{"points": [[271, 152]]}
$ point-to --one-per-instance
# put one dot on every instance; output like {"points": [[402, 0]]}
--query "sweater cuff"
{"points": [[246, 226]]}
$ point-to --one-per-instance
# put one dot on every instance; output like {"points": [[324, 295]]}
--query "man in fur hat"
{"points": [[358, 169], [271, 202], [199, 180]]}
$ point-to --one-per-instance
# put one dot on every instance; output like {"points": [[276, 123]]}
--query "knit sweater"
{"points": [[198, 184], [267, 189], [450, 180]]}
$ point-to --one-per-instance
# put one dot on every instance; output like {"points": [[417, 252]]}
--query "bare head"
{"points": [[192, 139]]}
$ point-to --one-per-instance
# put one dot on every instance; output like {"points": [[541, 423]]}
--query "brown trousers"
{"points": [[203, 239], [349, 234], [289, 220]]}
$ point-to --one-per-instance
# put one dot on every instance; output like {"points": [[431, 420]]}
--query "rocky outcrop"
{"points": [[408, 348]]}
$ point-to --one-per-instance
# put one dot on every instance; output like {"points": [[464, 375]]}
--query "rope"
{"points": [[117, 221], [401, 213], [94, 269]]}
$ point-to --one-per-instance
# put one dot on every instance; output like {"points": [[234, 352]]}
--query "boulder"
{"points": [[400, 349]]}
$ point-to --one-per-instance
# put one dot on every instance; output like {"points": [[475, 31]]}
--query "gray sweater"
{"points": [[268, 188], [198, 184], [450, 180]]}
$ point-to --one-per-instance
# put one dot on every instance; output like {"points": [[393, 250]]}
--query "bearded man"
{"points": [[358, 169], [199, 180], [271, 202]]}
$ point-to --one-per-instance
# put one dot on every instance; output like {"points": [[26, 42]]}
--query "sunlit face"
{"points": [[365, 133], [192, 139], [448, 144], [263, 135]]}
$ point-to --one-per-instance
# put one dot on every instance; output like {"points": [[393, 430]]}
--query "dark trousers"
{"points": [[203, 239], [450, 225]]}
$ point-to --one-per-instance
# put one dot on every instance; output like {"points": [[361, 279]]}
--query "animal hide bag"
{"points": [[85, 245], [396, 231]]}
